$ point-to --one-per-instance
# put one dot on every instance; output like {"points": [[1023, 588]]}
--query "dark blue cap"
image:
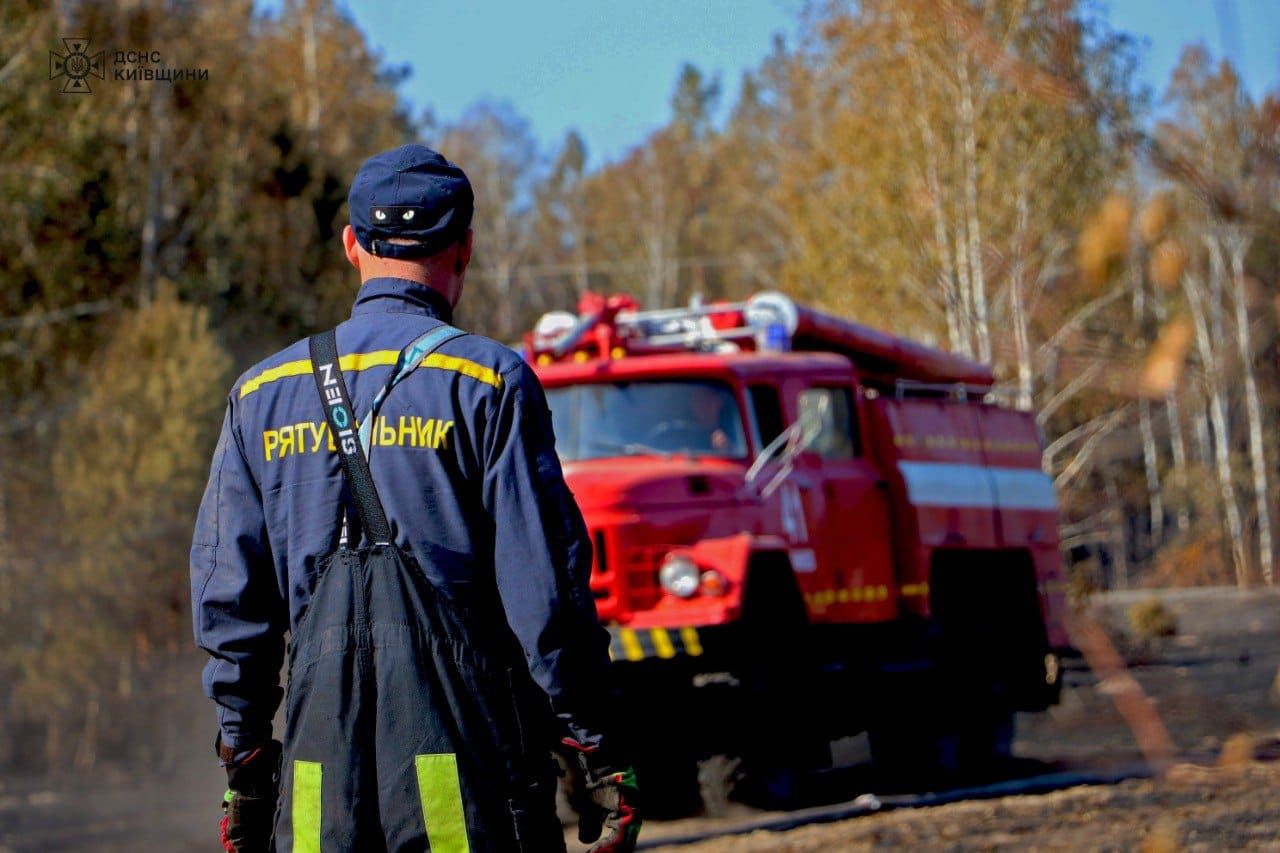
{"points": [[409, 193]]}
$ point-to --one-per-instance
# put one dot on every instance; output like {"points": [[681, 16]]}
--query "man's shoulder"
{"points": [[500, 364], [293, 360], [473, 355]]}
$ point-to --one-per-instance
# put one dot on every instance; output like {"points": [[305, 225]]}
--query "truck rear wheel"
{"points": [[935, 729], [980, 742], [979, 657]]}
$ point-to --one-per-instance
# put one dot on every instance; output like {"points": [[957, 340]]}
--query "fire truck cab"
{"points": [[804, 529]]}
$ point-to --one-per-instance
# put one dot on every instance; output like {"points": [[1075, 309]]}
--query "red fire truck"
{"points": [[804, 529]]}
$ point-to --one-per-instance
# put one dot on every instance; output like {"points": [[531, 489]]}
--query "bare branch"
{"points": [[1082, 314], [1082, 381], [57, 315], [1087, 450]]}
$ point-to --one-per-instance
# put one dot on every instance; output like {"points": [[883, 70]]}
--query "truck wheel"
{"points": [[981, 743], [935, 732], [904, 733], [784, 734], [977, 741]]}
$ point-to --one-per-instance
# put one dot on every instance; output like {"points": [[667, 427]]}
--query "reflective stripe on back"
{"points": [[441, 796], [307, 781], [464, 366], [302, 367], [378, 358]]}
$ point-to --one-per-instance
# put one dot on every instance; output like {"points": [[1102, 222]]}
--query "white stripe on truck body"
{"points": [[953, 484]]}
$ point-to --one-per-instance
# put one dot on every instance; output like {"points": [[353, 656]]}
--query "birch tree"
{"points": [[1232, 145]]}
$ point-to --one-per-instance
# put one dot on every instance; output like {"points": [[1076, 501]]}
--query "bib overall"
{"points": [[403, 721]]}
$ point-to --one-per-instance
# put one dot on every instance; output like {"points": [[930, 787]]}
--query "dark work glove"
{"points": [[607, 801], [249, 806]]}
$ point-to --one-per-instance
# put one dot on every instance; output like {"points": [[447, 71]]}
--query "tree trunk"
{"points": [[1204, 446], [1222, 457], [952, 297], [1119, 541], [1178, 448], [7, 567], [502, 284], [1238, 245], [965, 280], [311, 75], [154, 208], [973, 226], [87, 752], [1022, 346], [1221, 441], [53, 744], [581, 268], [1151, 464]]}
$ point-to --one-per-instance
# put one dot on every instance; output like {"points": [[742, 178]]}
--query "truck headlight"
{"points": [[679, 576]]}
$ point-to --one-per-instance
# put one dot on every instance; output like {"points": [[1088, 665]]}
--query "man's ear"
{"points": [[464, 252], [350, 246]]}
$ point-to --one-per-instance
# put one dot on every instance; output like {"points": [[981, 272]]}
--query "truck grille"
{"points": [[643, 589]]}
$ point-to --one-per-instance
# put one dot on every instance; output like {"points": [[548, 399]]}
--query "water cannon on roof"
{"points": [[614, 327]]}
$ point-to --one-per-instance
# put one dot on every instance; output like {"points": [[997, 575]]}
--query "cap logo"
{"points": [[402, 218]]}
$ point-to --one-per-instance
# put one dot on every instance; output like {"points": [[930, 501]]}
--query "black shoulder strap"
{"points": [[342, 426]]}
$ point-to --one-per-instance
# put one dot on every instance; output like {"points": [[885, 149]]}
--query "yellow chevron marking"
{"points": [[631, 644], [690, 638], [662, 643]]}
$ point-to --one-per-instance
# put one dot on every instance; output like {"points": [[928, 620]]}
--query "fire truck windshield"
{"points": [[691, 417]]}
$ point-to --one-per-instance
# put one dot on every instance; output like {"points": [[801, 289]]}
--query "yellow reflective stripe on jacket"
{"points": [[463, 366], [302, 367], [377, 358]]}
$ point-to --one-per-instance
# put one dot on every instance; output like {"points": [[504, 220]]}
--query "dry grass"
{"points": [[1152, 618]]}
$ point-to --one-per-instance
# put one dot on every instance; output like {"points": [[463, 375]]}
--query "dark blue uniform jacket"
{"points": [[464, 459]]}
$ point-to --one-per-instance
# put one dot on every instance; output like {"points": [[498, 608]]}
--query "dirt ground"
{"points": [[1193, 809], [1215, 689], [1213, 686]]}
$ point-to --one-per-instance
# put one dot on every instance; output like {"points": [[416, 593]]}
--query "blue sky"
{"points": [[607, 67]]}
